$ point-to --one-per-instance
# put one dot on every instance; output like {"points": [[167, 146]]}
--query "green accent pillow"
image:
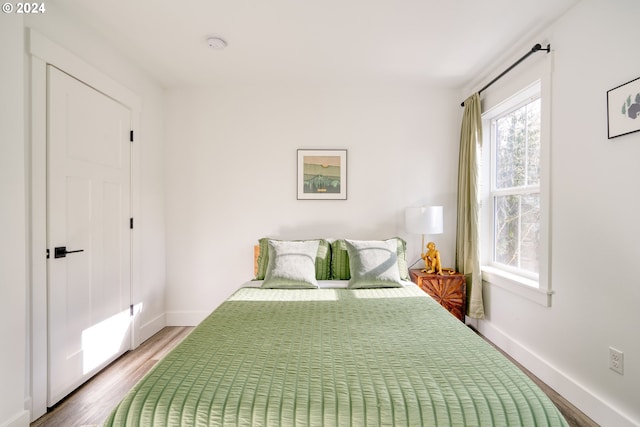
{"points": [[322, 261], [291, 265], [374, 264], [340, 269]]}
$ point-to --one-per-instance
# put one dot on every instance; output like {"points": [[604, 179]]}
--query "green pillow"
{"points": [[374, 264], [291, 265], [340, 269], [323, 259], [339, 260]]}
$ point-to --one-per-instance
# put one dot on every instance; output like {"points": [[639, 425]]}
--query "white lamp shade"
{"points": [[424, 220]]}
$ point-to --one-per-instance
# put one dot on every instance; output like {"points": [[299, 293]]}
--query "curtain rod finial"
{"points": [[538, 47]]}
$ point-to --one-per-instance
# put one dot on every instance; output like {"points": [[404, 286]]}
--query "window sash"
{"points": [[494, 135], [521, 249]]}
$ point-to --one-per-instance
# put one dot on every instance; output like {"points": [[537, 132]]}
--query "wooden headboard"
{"points": [[256, 253]]}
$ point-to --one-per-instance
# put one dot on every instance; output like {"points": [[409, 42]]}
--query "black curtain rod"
{"points": [[534, 49]]}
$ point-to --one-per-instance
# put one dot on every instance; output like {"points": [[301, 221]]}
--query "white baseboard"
{"points": [[28, 404], [152, 327], [585, 400], [185, 318], [21, 419]]}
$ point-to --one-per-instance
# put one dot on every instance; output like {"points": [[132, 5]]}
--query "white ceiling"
{"points": [[433, 41]]}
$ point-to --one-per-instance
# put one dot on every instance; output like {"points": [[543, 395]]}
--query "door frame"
{"points": [[43, 52]]}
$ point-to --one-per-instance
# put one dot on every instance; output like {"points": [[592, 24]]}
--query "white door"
{"points": [[88, 232]]}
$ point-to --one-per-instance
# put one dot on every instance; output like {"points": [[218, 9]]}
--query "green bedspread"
{"points": [[334, 357]]}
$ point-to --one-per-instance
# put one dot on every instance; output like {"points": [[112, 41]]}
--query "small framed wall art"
{"points": [[322, 174], [623, 109]]}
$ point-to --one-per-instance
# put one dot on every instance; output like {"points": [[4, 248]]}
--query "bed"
{"points": [[334, 354]]}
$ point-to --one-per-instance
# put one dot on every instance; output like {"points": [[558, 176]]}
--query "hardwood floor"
{"points": [[93, 402]]}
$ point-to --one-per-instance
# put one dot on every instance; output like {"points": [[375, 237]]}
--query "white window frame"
{"points": [[512, 93]]}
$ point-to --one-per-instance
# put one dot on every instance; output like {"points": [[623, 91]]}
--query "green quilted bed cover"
{"points": [[334, 357]]}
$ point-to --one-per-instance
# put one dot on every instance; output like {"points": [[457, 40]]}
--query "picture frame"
{"points": [[322, 174], [623, 109]]}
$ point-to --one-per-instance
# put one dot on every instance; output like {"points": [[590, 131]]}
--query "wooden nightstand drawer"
{"points": [[449, 290]]}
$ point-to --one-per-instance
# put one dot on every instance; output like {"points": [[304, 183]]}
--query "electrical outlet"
{"points": [[616, 360]]}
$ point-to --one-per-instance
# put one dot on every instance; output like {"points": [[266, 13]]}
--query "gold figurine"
{"points": [[432, 260]]}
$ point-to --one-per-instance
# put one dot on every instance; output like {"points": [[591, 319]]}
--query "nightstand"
{"points": [[449, 290]]}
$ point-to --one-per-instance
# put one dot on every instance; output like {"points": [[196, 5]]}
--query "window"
{"points": [[515, 187], [513, 198]]}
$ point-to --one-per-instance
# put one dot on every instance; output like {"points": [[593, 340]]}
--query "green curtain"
{"points": [[467, 233]]}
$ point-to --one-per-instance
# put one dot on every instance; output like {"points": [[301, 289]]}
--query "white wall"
{"points": [[595, 231], [231, 174], [12, 224]]}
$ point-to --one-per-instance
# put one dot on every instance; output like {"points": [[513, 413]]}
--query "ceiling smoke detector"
{"points": [[216, 43]]}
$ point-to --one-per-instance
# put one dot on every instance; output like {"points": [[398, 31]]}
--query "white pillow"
{"points": [[292, 265], [373, 264]]}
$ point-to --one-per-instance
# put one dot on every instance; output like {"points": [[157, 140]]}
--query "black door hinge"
{"points": [[131, 135], [131, 309], [131, 223], [48, 254]]}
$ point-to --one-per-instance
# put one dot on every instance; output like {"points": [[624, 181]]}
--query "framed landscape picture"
{"points": [[623, 109], [322, 174]]}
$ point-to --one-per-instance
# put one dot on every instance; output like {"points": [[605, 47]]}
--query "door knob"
{"points": [[61, 252]]}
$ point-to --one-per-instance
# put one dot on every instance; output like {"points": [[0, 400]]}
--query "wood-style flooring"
{"points": [[91, 404]]}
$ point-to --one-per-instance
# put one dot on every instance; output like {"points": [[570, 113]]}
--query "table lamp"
{"points": [[424, 220]]}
